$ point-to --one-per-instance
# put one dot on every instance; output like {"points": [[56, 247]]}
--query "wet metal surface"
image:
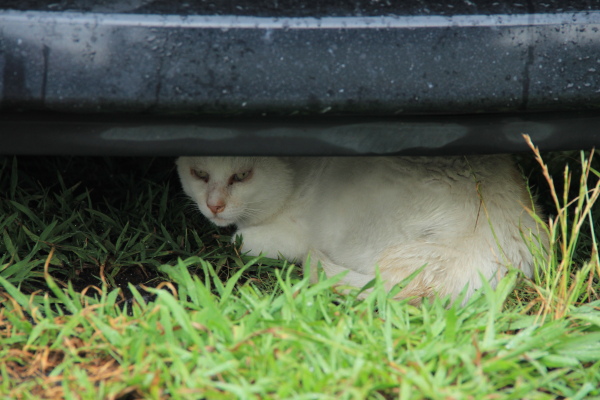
{"points": [[239, 64]]}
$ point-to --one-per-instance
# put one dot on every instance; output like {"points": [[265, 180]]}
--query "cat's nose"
{"points": [[216, 208]]}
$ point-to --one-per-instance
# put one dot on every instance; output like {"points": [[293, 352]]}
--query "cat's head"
{"points": [[236, 190]]}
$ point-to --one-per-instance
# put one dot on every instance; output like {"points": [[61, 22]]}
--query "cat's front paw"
{"points": [[266, 241], [255, 245]]}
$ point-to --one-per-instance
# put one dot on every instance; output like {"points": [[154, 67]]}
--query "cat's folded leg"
{"points": [[446, 269], [352, 279], [439, 270], [318, 260]]}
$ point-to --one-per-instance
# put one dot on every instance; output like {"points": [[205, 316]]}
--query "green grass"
{"points": [[173, 311]]}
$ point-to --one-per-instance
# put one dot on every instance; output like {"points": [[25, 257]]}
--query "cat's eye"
{"points": [[203, 176], [240, 177]]}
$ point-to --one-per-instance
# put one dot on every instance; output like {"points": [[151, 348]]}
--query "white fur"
{"points": [[457, 216]]}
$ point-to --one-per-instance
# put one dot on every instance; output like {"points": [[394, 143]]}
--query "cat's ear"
{"points": [[183, 161]]}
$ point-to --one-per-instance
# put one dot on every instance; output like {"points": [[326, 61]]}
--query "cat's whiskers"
{"points": [[254, 202], [191, 208], [251, 213]]}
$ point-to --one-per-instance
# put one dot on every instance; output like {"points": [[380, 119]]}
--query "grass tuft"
{"points": [[560, 282]]}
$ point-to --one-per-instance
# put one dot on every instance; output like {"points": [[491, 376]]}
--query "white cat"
{"points": [[457, 217]]}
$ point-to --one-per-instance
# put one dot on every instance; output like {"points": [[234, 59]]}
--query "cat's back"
{"points": [[405, 188], [419, 190], [451, 168], [460, 182], [497, 172]]}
